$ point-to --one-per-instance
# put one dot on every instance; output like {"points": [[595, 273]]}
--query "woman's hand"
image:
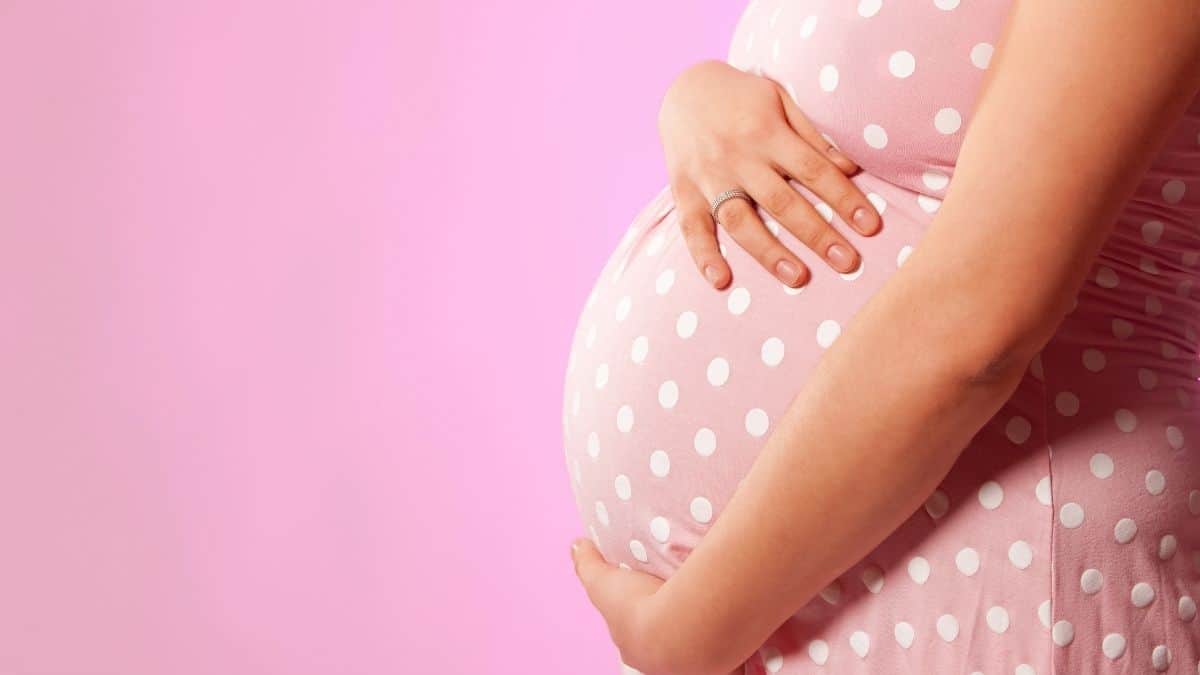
{"points": [[722, 128], [622, 597]]}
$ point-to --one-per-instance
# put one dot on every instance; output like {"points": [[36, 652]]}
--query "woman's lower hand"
{"points": [[722, 128]]}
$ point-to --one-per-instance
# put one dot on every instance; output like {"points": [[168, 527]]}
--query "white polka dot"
{"points": [[1156, 482], [1160, 658], [623, 307], [947, 627], [1042, 490], [946, 4], [1175, 437], [1152, 231], [872, 578], [1067, 403], [981, 55], [1018, 429], [1147, 379], [828, 77], [1125, 530], [772, 352], [664, 282], [1125, 419], [625, 419], [947, 120], [602, 513], [929, 204], [1113, 645], [757, 422], [860, 643], [638, 550], [1190, 258], [685, 327], [935, 180], [827, 332], [918, 569], [1035, 367], [967, 561], [991, 495], [623, 487], [1043, 612], [878, 202], [869, 8], [902, 63], [997, 619], [1024, 669], [825, 210], [1020, 554], [904, 634], [601, 375], [668, 394], [832, 592], [701, 509], [875, 136], [818, 651], [660, 529], [903, 255], [1101, 465], [1091, 581], [937, 504], [1094, 360], [1167, 546], [718, 372], [1172, 191], [1071, 515], [1141, 595], [640, 349], [593, 445], [1187, 608], [807, 28], [660, 463], [705, 442], [1063, 633], [1194, 502], [1154, 306], [772, 659], [739, 301], [1106, 277], [1122, 329]]}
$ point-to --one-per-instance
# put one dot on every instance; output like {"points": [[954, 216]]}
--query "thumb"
{"points": [[589, 564]]}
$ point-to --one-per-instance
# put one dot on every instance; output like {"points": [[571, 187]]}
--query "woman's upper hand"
{"points": [[722, 128]]}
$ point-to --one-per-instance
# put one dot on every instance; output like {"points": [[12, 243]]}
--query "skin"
{"points": [[722, 128], [1078, 99]]}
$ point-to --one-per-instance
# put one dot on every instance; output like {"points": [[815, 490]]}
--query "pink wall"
{"points": [[286, 291]]}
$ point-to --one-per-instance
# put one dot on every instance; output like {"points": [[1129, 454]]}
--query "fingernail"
{"points": [[712, 274], [787, 271], [862, 219], [841, 257]]}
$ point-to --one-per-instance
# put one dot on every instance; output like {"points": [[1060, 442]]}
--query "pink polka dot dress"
{"points": [[1066, 539]]}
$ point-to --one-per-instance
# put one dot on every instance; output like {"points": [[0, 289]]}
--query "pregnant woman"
{"points": [[966, 442]]}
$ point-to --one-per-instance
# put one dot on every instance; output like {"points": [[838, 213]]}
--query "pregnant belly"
{"points": [[672, 386]]}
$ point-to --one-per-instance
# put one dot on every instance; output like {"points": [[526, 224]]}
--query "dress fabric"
{"points": [[1066, 538]]}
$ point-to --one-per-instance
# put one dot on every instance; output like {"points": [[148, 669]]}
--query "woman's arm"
{"points": [[1076, 104]]}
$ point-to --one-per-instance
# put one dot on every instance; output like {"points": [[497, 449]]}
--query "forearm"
{"points": [[882, 424]]}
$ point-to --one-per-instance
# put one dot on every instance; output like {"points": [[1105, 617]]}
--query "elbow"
{"points": [[1003, 349]]}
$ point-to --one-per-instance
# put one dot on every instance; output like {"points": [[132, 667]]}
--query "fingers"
{"points": [[800, 124], [795, 213], [700, 233], [741, 221], [808, 167]]}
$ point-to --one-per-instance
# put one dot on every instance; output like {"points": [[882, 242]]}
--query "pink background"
{"points": [[286, 292]]}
